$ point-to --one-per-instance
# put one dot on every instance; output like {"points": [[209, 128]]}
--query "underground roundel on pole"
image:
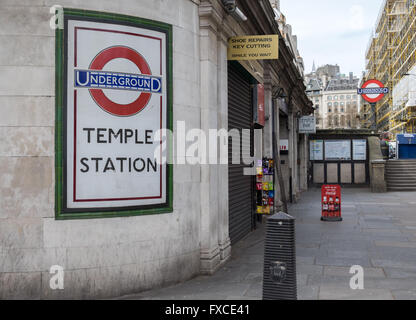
{"points": [[373, 91]]}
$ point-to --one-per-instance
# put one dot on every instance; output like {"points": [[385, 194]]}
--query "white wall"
{"points": [[102, 257]]}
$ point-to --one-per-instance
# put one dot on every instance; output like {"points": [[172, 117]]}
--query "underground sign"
{"points": [[116, 105], [373, 91]]}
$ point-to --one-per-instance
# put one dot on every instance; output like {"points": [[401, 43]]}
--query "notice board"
{"points": [[338, 150]]}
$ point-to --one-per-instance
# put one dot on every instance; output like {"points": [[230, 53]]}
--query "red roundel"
{"points": [[373, 98], [105, 56]]}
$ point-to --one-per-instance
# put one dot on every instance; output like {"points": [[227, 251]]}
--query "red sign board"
{"points": [[331, 203], [373, 91]]}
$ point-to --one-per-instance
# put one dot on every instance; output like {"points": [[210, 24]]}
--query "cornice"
{"points": [[211, 15]]}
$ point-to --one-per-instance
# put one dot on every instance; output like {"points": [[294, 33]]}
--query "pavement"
{"points": [[378, 233]]}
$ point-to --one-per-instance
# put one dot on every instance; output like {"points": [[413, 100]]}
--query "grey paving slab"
{"points": [[345, 272], [400, 273], [328, 292], [391, 284], [396, 244], [392, 263], [404, 294], [309, 269], [320, 280], [343, 262], [305, 260], [255, 291], [308, 292], [378, 233]]}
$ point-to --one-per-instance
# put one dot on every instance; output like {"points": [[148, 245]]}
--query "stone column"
{"points": [[293, 151], [211, 205], [304, 161], [378, 182], [223, 205]]}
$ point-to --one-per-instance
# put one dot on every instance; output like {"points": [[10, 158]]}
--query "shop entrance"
{"points": [[241, 188]]}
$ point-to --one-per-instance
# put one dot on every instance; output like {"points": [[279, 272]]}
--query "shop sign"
{"points": [[307, 124], [116, 100], [262, 47]]}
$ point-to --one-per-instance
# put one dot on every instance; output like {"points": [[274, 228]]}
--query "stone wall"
{"points": [[101, 257]]}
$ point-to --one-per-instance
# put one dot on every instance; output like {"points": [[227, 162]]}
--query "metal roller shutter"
{"points": [[241, 192]]}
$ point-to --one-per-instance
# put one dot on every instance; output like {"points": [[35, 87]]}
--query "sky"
{"points": [[332, 31]]}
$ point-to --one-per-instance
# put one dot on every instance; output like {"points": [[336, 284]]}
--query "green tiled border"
{"points": [[59, 109]]}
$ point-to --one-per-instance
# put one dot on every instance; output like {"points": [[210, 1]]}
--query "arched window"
{"points": [[349, 123], [330, 121]]}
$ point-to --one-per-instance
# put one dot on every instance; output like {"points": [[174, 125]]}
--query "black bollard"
{"points": [[279, 274]]}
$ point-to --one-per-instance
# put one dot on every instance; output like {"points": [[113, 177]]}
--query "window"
{"points": [[329, 104], [342, 104], [329, 98], [348, 97], [335, 104], [336, 122], [341, 97], [343, 121], [335, 97], [329, 110]]}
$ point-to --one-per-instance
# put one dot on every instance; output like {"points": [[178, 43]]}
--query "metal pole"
{"points": [[373, 108]]}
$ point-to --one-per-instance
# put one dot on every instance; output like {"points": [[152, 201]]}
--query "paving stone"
{"points": [[378, 233], [343, 262], [255, 291], [302, 280], [319, 280], [309, 269], [305, 260], [345, 271], [398, 273], [392, 263], [308, 293], [395, 244], [404, 294], [337, 293], [391, 284]]}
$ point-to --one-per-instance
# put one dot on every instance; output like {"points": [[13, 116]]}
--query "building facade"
{"points": [[335, 98], [107, 253], [389, 58]]}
